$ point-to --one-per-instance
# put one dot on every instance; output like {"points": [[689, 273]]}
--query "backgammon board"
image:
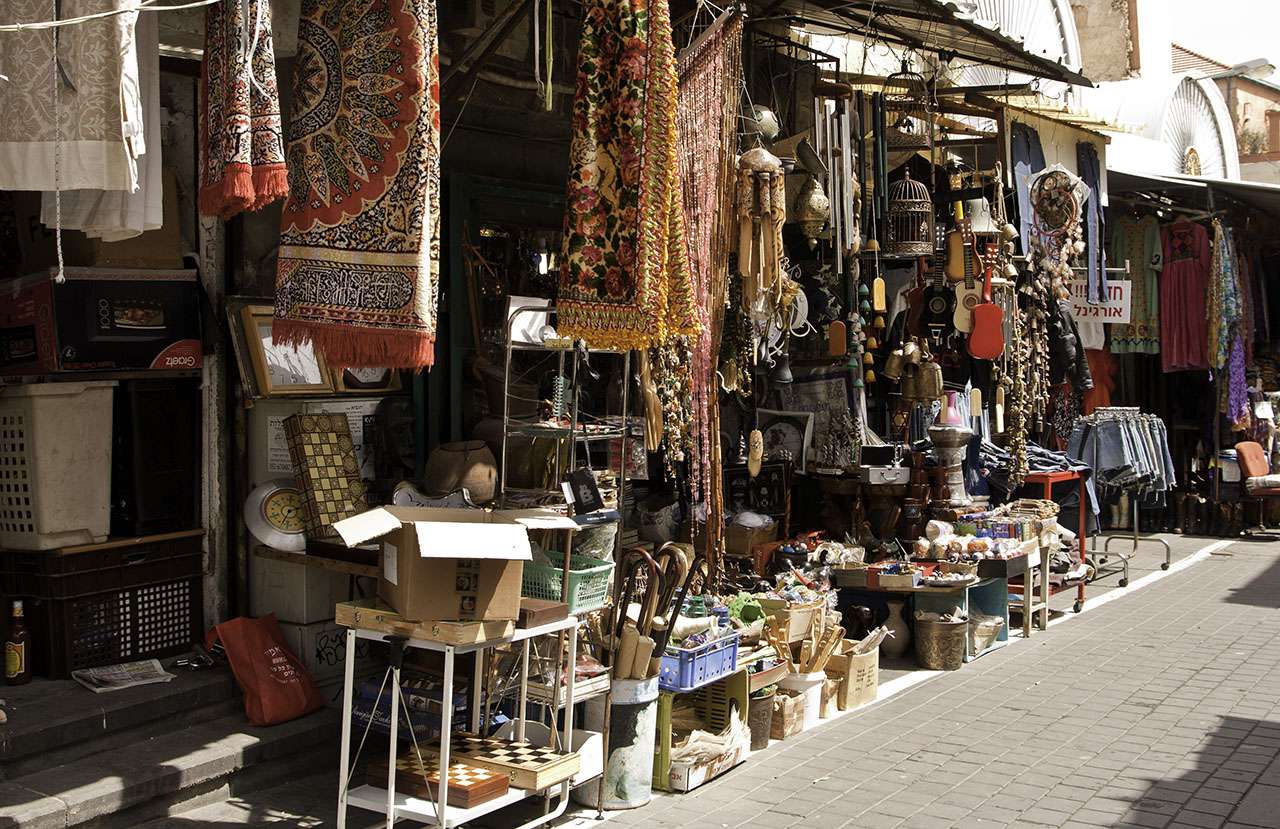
{"points": [[326, 469], [529, 767], [420, 777]]}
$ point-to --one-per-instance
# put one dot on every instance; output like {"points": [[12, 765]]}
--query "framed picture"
{"points": [[281, 369], [787, 435], [354, 380]]}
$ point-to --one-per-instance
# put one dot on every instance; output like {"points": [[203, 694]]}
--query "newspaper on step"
{"points": [[124, 675]]}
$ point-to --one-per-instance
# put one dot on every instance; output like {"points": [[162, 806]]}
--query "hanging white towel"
{"points": [[114, 215], [100, 123]]}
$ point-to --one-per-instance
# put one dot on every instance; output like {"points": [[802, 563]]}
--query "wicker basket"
{"points": [[966, 568], [940, 645]]}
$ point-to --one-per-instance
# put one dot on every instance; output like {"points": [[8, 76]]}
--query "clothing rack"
{"points": [[1153, 451]]}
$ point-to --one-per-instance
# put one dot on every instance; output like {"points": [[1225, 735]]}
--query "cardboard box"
{"points": [[101, 319], [858, 675], [297, 594], [451, 564], [366, 614], [322, 649]]}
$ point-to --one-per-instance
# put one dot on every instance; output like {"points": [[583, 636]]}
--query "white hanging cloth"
{"points": [[115, 215], [100, 123]]}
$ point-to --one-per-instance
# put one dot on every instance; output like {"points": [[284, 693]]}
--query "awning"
{"points": [[1195, 191], [936, 26]]}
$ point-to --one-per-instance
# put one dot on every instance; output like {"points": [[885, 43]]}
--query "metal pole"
{"points": [[344, 750]]}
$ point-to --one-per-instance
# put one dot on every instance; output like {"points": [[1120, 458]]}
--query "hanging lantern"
{"points": [[811, 210], [906, 111], [909, 222]]}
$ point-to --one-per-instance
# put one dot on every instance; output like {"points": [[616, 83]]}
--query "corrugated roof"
{"points": [[936, 26], [1187, 60]]}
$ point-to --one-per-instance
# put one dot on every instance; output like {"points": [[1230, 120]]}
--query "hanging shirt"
{"points": [[98, 128], [113, 215], [1138, 241]]}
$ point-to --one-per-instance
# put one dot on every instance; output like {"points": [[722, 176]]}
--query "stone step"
{"points": [[52, 722], [191, 765]]}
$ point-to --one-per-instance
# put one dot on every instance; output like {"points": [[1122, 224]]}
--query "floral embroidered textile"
{"points": [[624, 276], [360, 234], [243, 160]]}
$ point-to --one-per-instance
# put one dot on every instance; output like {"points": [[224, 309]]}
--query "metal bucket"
{"points": [[628, 770], [760, 719], [940, 645]]}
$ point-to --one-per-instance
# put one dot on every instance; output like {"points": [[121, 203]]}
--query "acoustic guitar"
{"points": [[968, 295], [939, 303], [986, 340], [959, 245]]}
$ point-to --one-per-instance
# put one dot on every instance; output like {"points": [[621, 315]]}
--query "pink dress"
{"points": [[1184, 282]]}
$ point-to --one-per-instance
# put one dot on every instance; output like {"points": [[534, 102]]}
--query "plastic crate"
{"points": [[588, 583], [55, 464], [690, 669], [106, 603], [715, 703]]}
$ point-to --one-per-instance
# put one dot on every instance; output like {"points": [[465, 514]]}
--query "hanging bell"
{"points": [[857, 382], [1010, 270], [864, 307], [1008, 232], [868, 359], [863, 291], [872, 246], [870, 376], [872, 345], [879, 323], [781, 373]]}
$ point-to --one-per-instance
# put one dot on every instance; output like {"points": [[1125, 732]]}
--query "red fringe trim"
{"points": [[343, 346], [244, 188]]}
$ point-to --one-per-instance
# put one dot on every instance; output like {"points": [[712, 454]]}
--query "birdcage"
{"points": [[909, 222], [909, 122]]}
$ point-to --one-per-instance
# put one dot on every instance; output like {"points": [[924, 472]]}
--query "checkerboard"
{"points": [[528, 766], [419, 776], [326, 469]]}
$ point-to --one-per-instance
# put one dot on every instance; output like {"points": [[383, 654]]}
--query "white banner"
{"points": [[1114, 311]]}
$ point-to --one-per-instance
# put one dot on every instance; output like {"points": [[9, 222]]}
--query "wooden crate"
{"points": [[367, 614], [794, 618]]}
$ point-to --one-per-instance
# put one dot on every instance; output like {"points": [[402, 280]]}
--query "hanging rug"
{"points": [[360, 233]]}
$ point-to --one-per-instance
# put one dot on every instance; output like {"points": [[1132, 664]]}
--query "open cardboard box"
{"points": [[451, 564]]}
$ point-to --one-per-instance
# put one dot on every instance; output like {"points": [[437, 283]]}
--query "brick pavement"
{"points": [[1160, 709]]}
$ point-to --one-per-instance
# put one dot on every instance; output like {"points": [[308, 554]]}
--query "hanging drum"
{"points": [[909, 223], [906, 111]]}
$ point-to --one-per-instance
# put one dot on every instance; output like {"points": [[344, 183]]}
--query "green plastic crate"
{"points": [[588, 582]]}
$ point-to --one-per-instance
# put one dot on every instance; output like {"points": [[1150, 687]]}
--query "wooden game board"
{"points": [[326, 469], [419, 776], [529, 767]]}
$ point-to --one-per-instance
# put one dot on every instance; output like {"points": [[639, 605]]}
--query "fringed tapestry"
{"points": [[624, 276], [242, 165], [360, 234]]}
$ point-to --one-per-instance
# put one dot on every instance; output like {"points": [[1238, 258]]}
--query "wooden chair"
{"points": [[1254, 464]]}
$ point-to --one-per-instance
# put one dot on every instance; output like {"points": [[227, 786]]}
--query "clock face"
{"points": [[283, 510]]}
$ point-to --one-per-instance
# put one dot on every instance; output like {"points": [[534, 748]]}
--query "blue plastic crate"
{"points": [[688, 670]]}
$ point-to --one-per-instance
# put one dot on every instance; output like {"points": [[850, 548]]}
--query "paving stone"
{"points": [[1260, 807]]}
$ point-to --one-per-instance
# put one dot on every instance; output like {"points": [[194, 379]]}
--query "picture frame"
{"points": [[353, 380], [278, 369], [792, 431]]}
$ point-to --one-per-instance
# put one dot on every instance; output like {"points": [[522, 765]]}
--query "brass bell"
{"points": [[1010, 270], [879, 322], [872, 345], [868, 359], [870, 376], [1008, 232]]}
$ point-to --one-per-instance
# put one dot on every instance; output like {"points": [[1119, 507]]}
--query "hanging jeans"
{"points": [[1028, 159], [1095, 229]]}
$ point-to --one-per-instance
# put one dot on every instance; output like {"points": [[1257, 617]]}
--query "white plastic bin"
{"points": [[810, 686], [55, 464]]}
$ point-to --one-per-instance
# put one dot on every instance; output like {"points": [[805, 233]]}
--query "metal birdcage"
{"points": [[908, 119], [909, 222]]}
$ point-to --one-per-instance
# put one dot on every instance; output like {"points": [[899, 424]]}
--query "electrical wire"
{"points": [[142, 6]]}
